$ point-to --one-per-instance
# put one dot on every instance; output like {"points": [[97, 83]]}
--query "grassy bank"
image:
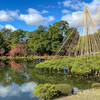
{"points": [[91, 95]]}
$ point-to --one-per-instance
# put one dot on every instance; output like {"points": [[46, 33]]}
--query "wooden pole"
{"points": [[87, 40]]}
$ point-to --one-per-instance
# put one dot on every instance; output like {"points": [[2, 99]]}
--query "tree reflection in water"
{"points": [[2, 64], [20, 72]]}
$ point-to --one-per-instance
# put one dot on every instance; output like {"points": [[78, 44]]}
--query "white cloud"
{"points": [[93, 6], [13, 13], [74, 4], [8, 15], [46, 6], [65, 11], [72, 18], [59, 3], [51, 18], [44, 11], [33, 11], [4, 16], [67, 3], [80, 6], [77, 5], [35, 18], [1, 26], [8, 26]]}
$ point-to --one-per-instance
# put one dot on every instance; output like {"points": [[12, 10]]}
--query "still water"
{"points": [[18, 77]]}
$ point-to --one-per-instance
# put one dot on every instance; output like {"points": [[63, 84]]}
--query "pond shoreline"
{"points": [[34, 57]]}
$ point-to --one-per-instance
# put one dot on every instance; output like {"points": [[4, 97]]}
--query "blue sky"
{"points": [[29, 14]]}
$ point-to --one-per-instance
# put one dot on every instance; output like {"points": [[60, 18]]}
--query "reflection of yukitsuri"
{"points": [[65, 78], [49, 70]]}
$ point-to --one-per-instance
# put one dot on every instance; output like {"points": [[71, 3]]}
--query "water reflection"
{"points": [[17, 66], [2, 64], [18, 77], [17, 91]]}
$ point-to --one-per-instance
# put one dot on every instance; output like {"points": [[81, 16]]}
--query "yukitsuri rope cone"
{"points": [[88, 47], [89, 39]]}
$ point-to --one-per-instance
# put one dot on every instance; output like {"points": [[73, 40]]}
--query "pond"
{"points": [[18, 77]]}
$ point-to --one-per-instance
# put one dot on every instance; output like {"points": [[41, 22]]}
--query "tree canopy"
{"points": [[43, 40]]}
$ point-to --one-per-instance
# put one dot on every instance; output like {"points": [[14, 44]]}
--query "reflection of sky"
{"points": [[16, 92]]}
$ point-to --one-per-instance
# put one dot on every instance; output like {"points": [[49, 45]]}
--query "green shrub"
{"points": [[96, 85], [64, 88], [51, 90], [44, 91]]}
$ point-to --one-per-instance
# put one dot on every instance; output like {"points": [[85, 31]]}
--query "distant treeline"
{"points": [[41, 42]]}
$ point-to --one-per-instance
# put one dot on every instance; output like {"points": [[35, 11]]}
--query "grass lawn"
{"points": [[92, 95]]}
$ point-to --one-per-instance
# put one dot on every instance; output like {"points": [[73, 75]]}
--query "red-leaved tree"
{"points": [[19, 49]]}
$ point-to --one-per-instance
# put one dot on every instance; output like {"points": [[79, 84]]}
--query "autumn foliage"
{"points": [[19, 49]]}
